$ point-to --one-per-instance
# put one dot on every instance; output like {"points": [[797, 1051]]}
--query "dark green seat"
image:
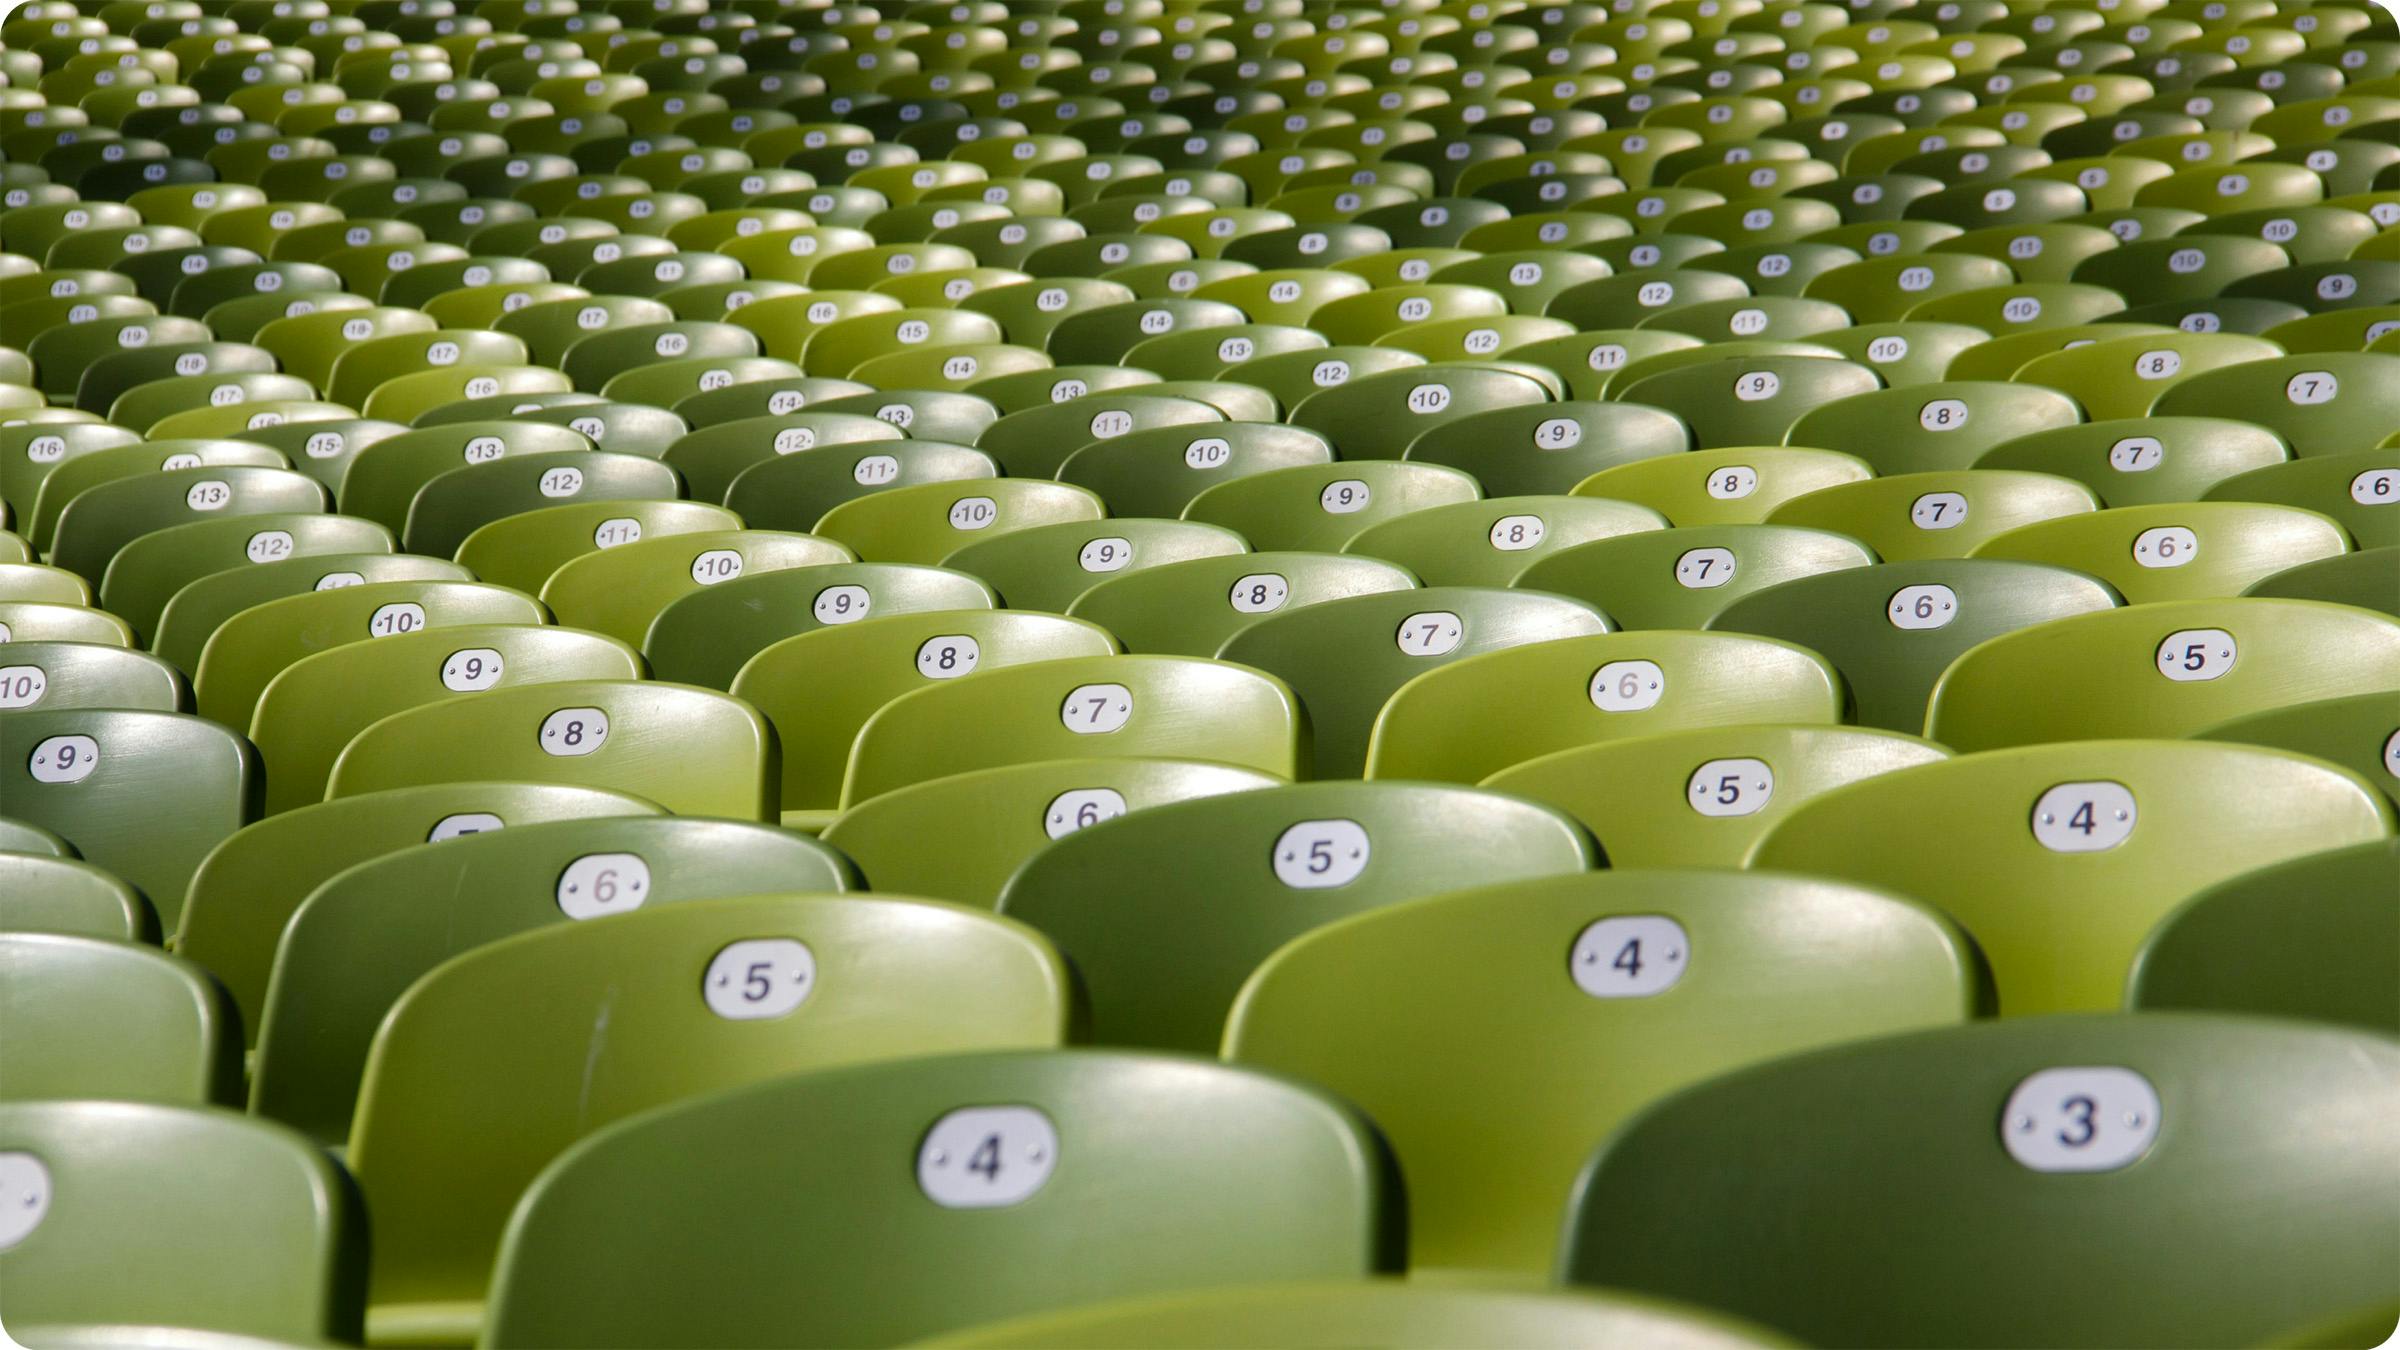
{"points": [[103, 519], [385, 477], [202, 606], [457, 502], [707, 636], [1939, 514], [2361, 491], [248, 887], [143, 794], [2368, 578], [712, 456], [42, 893], [94, 1019], [711, 994], [2061, 858], [526, 549], [2141, 460], [1670, 978], [1812, 1212], [36, 674], [1192, 608], [2360, 732], [1751, 400], [1492, 541], [1549, 447], [795, 491], [1049, 567], [149, 572], [2317, 937], [620, 591], [1682, 578], [240, 1229], [1321, 507], [1156, 471], [1276, 1182], [365, 935], [1035, 442]]}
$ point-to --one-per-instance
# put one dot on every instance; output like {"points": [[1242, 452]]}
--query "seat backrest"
{"points": [[2175, 550], [707, 995], [42, 892], [2319, 402], [35, 674], [1944, 513], [1465, 722], [385, 477], [1549, 447], [2368, 579], [133, 1214], [366, 934], [103, 519], [1161, 952], [1492, 541], [1156, 471], [1458, 977], [2061, 858], [2360, 732], [2169, 668], [2360, 490], [94, 1019], [2083, 1145], [455, 503], [693, 751], [524, 550], [148, 573], [1681, 578], [1047, 567], [2143, 460], [927, 522], [708, 635]]}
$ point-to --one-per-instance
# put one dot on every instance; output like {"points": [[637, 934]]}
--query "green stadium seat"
{"points": [[93, 1020]]}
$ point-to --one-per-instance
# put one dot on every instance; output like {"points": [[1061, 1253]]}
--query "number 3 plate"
{"points": [[2080, 1119]]}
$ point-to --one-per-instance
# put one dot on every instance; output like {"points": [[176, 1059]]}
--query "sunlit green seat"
{"points": [[1321, 507], [621, 590], [1192, 608], [1750, 400], [2360, 732], [149, 572], [1730, 486], [706, 636], [2137, 461], [927, 522], [2175, 550], [456, 503], [1679, 578], [2360, 490], [1046, 567], [1156, 471], [57, 894], [111, 1020], [1944, 425], [1942, 514], [2319, 402], [2059, 859]]}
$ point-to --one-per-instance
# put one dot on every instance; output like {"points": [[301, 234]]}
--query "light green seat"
{"points": [[819, 688], [2175, 550], [2360, 732], [1749, 400], [248, 887], [2061, 858], [1161, 953], [148, 573], [250, 649], [2139, 461], [1892, 629], [1702, 798], [1156, 471], [927, 522], [1047, 567], [1680, 578], [1094, 707], [526, 549], [1857, 1205], [1736, 485], [621, 590], [43, 621], [245, 1234], [2368, 578], [705, 637], [197, 610], [386, 476], [318, 704], [1321, 507], [2162, 669], [448, 510], [2317, 937], [1035, 442], [118, 463], [2318, 402], [1467, 721], [1492, 541], [2361, 491], [1294, 377], [1193, 608], [990, 821], [833, 981], [54, 894], [363, 937], [42, 584], [693, 751], [1908, 352], [94, 1019], [100, 520], [1324, 1316], [723, 1234], [1590, 361], [1944, 425], [1941, 514], [145, 795], [2125, 377], [36, 674], [1345, 657], [1472, 982]]}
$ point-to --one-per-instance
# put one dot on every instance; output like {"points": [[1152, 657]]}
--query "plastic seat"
{"points": [[2140, 461], [525, 549], [1489, 1194], [456, 503], [707, 635], [57, 894], [711, 457], [2363, 579], [353, 949], [714, 1012], [103, 519], [39, 583], [2357, 732], [107, 1020], [1681, 577], [2165, 669], [149, 572], [2360, 491], [1077, 708], [1925, 427], [244, 1230], [1731, 486], [2175, 551], [1311, 1202], [1879, 290], [118, 464], [1035, 442], [1047, 567], [2319, 402], [1192, 608], [142, 794], [40, 621], [2187, 267], [1377, 416], [1768, 394], [1935, 515], [1703, 798], [77, 675], [620, 591], [1322, 507], [2329, 959], [1467, 721], [2122, 832], [1847, 1218], [1382, 844], [693, 751], [1157, 471], [927, 522]]}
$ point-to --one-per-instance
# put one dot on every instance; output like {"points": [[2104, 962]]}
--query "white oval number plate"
{"points": [[1316, 855], [759, 978], [598, 884], [1927, 606], [1703, 569], [395, 619], [1259, 593], [2196, 654], [948, 657], [24, 1197], [1096, 709], [1632, 956], [842, 604], [1628, 686], [2166, 546], [1515, 534], [471, 669], [1731, 787], [1344, 497], [22, 686], [986, 1157], [1938, 511], [65, 759], [1112, 554], [463, 823], [2094, 1119], [1432, 633], [574, 731], [2084, 817], [1081, 808]]}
